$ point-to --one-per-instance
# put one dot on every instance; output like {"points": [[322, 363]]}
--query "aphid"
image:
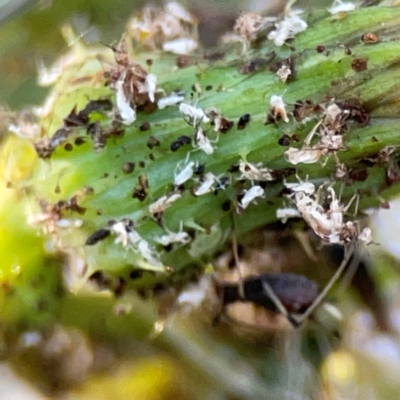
{"points": [[203, 142], [124, 232], [207, 184], [163, 203], [199, 170], [145, 126], [278, 109], [181, 141], [194, 114], [285, 213], [221, 123], [141, 192], [125, 111], [128, 167], [250, 195], [243, 121], [172, 100], [255, 172], [173, 237], [308, 154], [284, 140], [286, 70], [184, 174], [97, 236], [302, 186], [305, 156], [150, 86], [320, 49]]}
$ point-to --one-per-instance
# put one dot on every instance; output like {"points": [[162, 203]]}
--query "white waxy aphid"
{"points": [[164, 202], [339, 6], [151, 86], [284, 72], [147, 252], [202, 141], [184, 174], [305, 156], [278, 108], [172, 100], [250, 195], [122, 232], [288, 27], [330, 140], [174, 237], [302, 186], [285, 213], [207, 185], [126, 112], [181, 46], [255, 172], [194, 114]]}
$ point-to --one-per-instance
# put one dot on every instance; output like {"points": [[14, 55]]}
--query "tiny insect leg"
{"points": [[348, 254], [307, 140]]}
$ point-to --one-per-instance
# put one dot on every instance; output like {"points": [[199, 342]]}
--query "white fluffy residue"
{"points": [[288, 27], [126, 112]]}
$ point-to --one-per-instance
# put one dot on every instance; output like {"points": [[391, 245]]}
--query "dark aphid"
{"points": [[199, 170], [128, 167], [320, 49], [79, 141], [243, 121], [97, 236], [145, 126], [68, 147], [176, 145], [139, 193], [184, 140], [284, 140], [142, 164], [181, 141]]}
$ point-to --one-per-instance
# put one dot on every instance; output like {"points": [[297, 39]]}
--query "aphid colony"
{"points": [[324, 215]]}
